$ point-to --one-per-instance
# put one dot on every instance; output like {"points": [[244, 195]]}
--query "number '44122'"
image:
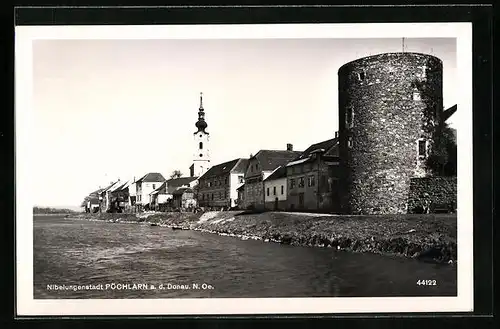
{"points": [[427, 282]]}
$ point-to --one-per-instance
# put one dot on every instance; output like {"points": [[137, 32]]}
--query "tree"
{"points": [[443, 158], [176, 174]]}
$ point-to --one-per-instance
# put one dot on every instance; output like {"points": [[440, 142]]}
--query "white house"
{"points": [[163, 195], [144, 186], [275, 193]]}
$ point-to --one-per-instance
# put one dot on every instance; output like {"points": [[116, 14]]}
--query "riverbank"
{"points": [[426, 237]]}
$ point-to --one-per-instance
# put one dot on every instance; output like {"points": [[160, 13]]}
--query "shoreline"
{"points": [[423, 237]]}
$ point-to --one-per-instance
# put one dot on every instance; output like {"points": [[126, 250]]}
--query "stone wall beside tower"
{"points": [[390, 106]]}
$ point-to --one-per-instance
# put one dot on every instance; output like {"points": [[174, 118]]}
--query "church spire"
{"points": [[201, 124]]}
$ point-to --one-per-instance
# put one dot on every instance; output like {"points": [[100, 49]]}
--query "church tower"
{"points": [[201, 155]]}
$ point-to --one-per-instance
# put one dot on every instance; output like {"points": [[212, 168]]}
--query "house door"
{"points": [[301, 200], [276, 204]]}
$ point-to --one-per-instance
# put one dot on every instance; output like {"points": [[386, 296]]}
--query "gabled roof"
{"points": [[271, 159], [160, 189], [174, 183], [329, 146], [182, 190], [120, 187], [279, 172], [93, 200], [241, 166], [238, 165], [151, 177], [96, 192], [112, 186]]}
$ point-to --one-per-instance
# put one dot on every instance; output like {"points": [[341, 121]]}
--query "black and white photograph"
{"points": [[295, 168]]}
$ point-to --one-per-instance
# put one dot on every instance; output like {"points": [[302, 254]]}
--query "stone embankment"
{"points": [[426, 237]]}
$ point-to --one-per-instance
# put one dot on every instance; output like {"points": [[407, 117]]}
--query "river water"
{"points": [[107, 259]]}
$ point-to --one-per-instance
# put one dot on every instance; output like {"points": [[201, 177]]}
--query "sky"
{"points": [[109, 109]]}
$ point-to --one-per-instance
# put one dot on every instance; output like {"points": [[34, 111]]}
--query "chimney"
{"points": [[289, 147], [336, 134]]}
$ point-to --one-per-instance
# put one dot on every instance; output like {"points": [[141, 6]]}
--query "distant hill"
{"points": [[50, 210]]}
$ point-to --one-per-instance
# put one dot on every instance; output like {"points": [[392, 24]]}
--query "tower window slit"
{"points": [[422, 148], [201, 145], [349, 117]]}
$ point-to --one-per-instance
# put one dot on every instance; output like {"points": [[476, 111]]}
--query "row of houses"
{"points": [[292, 180], [150, 192], [270, 179], [275, 180]]}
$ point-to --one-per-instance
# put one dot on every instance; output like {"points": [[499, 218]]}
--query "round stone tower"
{"points": [[390, 106]]}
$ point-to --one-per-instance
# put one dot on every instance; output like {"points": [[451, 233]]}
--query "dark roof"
{"points": [[330, 147], [272, 159], [182, 190], [161, 188], [94, 200], [174, 183], [241, 166], [449, 112], [96, 192], [151, 177], [122, 187], [280, 172], [226, 167]]}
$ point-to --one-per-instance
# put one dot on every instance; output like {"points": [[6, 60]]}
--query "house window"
{"points": [[422, 148], [292, 183], [349, 117], [282, 189], [274, 190], [212, 196], [201, 145], [220, 195], [416, 95], [225, 194], [154, 186], [301, 182], [225, 181], [256, 166], [268, 191], [349, 142], [311, 181]]}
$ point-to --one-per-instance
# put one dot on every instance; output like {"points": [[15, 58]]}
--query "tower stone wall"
{"points": [[390, 106]]}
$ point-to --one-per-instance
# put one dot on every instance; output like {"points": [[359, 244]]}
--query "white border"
{"points": [[26, 305]]}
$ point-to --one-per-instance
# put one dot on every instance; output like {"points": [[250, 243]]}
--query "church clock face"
{"points": [[201, 155]]}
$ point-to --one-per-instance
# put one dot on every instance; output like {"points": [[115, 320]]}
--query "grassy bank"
{"points": [[427, 237]]}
